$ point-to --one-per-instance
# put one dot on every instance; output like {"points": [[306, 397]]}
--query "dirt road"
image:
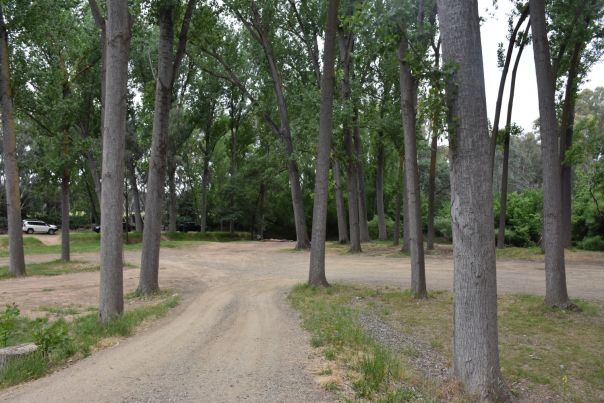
{"points": [[233, 338]]}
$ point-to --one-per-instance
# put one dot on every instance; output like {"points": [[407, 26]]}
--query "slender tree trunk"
{"points": [[362, 193], [65, 255], [506, 152], [16, 264], [172, 194], [205, 178], [111, 298], [340, 204], [406, 245], [566, 141], [475, 338], [346, 45], [149, 278], [316, 274], [504, 74], [416, 238], [432, 190], [553, 241], [136, 202], [379, 188]]}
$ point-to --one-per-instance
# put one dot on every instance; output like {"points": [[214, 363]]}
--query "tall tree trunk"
{"points": [[205, 178], [506, 151], [111, 298], [432, 190], [172, 193], [416, 239], [406, 245], [316, 274], [340, 204], [136, 201], [362, 193], [566, 140], [504, 74], [379, 188], [65, 178], [168, 66], [553, 241], [346, 45], [16, 264], [475, 338], [149, 278]]}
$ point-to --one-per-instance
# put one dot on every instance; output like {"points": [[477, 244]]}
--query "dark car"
{"points": [[188, 226], [125, 227]]}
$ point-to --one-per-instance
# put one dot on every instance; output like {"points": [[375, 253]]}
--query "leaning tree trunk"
{"points": [[553, 240], [316, 274], [111, 298], [16, 264], [149, 278], [416, 238], [340, 204], [379, 188], [506, 152], [475, 338], [65, 255]]}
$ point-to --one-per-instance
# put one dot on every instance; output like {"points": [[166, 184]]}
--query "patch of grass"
{"points": [[80, 336], [532, 253], [53, 268], [63, 311], [554, 351]]}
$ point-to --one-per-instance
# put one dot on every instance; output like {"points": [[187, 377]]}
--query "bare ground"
{"points": [[234, 337]]}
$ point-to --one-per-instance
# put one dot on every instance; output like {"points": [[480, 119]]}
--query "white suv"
{"points": [[31, 226]]}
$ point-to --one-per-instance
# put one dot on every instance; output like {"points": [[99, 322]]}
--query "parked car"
{"points": [[125, 227], [188, 226], [31, 226]]}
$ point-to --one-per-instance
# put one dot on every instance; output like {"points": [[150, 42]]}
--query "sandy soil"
{"points": [[234, 337]]}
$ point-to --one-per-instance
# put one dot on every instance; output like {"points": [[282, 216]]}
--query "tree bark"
{"points": [[346, 45], [432, 190], [16, 264], [111, 295], [553, 241], [416, 239], [136, 202], [316, 274], [362, 193], [65, 178], [506, 150], [406, 246], [475, 338], [566, 141], [504, 74], [340, 204], [171, 193], [379, 188]]}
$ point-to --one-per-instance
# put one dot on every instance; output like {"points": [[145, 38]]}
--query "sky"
{"points": [[526, 107]]}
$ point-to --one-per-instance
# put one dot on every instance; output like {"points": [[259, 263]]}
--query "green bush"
{"points": [[8, 321], [592, 243], [524, 218], [442, 222], [51, 336], [374, 230]]}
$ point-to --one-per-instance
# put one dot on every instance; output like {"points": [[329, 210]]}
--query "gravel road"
{"points": [[234, 337]]}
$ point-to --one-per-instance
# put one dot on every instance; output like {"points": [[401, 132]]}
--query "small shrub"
{"points": [[8, 321], [592, 243], [51, 336]]}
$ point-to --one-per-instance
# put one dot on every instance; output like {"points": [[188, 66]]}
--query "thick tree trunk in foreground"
{"points": [[316, 274], [379, 188], [16, 264], [506, 153], [111, 303], [553, 241], [416, 237], [340, 204], [65, 255], [475, 340]]}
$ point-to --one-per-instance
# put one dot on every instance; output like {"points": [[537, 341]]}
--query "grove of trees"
{"points": [[310, 120]]}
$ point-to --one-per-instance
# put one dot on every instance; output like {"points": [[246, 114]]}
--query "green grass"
{"points": [[532, 253], [89, 241], [83, 334], [53, 268], [552, 352]]}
